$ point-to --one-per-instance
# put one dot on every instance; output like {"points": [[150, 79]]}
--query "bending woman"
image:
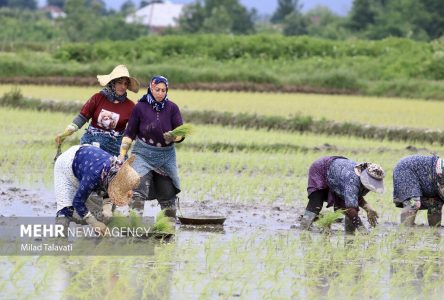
{"points": [[342, 183]]}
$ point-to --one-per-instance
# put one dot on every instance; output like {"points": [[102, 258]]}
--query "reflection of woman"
{"points": [[151, 121], [342, 183], [108, 110], [418, 183]]}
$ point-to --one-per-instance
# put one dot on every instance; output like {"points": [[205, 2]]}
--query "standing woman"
{"points": [[108, 110], [151, 121]]}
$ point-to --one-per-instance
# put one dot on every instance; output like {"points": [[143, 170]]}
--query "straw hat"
{"points": [[125, 180], [119, 71], [372, 176]]}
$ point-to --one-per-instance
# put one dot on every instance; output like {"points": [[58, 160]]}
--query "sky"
{"points": [[263, 7]]}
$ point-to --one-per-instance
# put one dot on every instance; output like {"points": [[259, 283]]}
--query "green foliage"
{"points": [[22, 4], [227, 16], [415, 19], [27, 26], [302, 63], [285, 8], [58, 3], [322, 22], [295, 24], [362, 15]]}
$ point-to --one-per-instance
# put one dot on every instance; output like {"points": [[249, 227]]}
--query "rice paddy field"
{"points": [[416, 113], [257, 178]]}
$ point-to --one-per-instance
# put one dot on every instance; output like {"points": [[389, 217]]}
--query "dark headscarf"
{"points": [[109, 91]]}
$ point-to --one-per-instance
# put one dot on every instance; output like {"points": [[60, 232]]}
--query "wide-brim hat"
{"points": [[372, 177], [124, 181], [118, 72]]}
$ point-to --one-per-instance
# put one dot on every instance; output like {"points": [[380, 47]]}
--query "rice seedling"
{"points": [[183, 130], [132, 221], [163, 224], [242, 262], [326, 219]]}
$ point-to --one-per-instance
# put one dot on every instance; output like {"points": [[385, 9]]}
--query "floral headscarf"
{"points": [[148, 97]]}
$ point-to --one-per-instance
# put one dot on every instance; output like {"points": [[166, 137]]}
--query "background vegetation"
{"points": [[392, 67], [382, 48]]}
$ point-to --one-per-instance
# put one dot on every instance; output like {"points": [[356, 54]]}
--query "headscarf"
{"points": [[108, 174], [109, 91], [148, 97]]}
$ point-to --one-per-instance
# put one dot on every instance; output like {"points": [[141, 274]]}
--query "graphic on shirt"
{"points": [[108, 119]]}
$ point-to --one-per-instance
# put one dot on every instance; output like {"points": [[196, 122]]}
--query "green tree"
{"points": [[23, 4], [202, 15], [435, 23], [400, 18], [27, 26], [362, 15], [295, 24], [322, 22], [58, 3], [218, 22], [128, 7], [285, 8], [192, 17]]}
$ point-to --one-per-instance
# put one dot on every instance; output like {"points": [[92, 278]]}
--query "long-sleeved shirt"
{"points": [[336, 174], [88, 165], [343, 180], [150, 125], [415, 176]]}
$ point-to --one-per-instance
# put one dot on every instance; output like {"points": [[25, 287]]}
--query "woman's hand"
{"points": [[169, 137]]}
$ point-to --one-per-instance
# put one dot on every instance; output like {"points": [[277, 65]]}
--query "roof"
{"points": [[157, 14]]}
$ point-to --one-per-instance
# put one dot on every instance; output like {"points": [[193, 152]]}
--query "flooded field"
{"points": [[259, 253]]}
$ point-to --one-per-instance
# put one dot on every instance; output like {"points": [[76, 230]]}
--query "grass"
{"points": [[364, 110]]}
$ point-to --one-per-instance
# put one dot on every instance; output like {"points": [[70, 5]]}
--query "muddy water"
{"points": [[242, 220], [256, 254], [23, 202]]}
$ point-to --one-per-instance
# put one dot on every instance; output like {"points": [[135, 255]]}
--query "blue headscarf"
{"points": [[110, 92], [148, 97]]}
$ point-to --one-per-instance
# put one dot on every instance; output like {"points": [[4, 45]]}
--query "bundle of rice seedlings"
{"points": [[120, 221], [325, 220], [183, 130], [163, 224]]}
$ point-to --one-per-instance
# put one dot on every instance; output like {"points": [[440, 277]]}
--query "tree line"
{"points": [[90, 20]]}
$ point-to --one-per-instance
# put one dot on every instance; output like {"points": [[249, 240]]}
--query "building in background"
{"points": [[157, 16], [54, 12]]}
